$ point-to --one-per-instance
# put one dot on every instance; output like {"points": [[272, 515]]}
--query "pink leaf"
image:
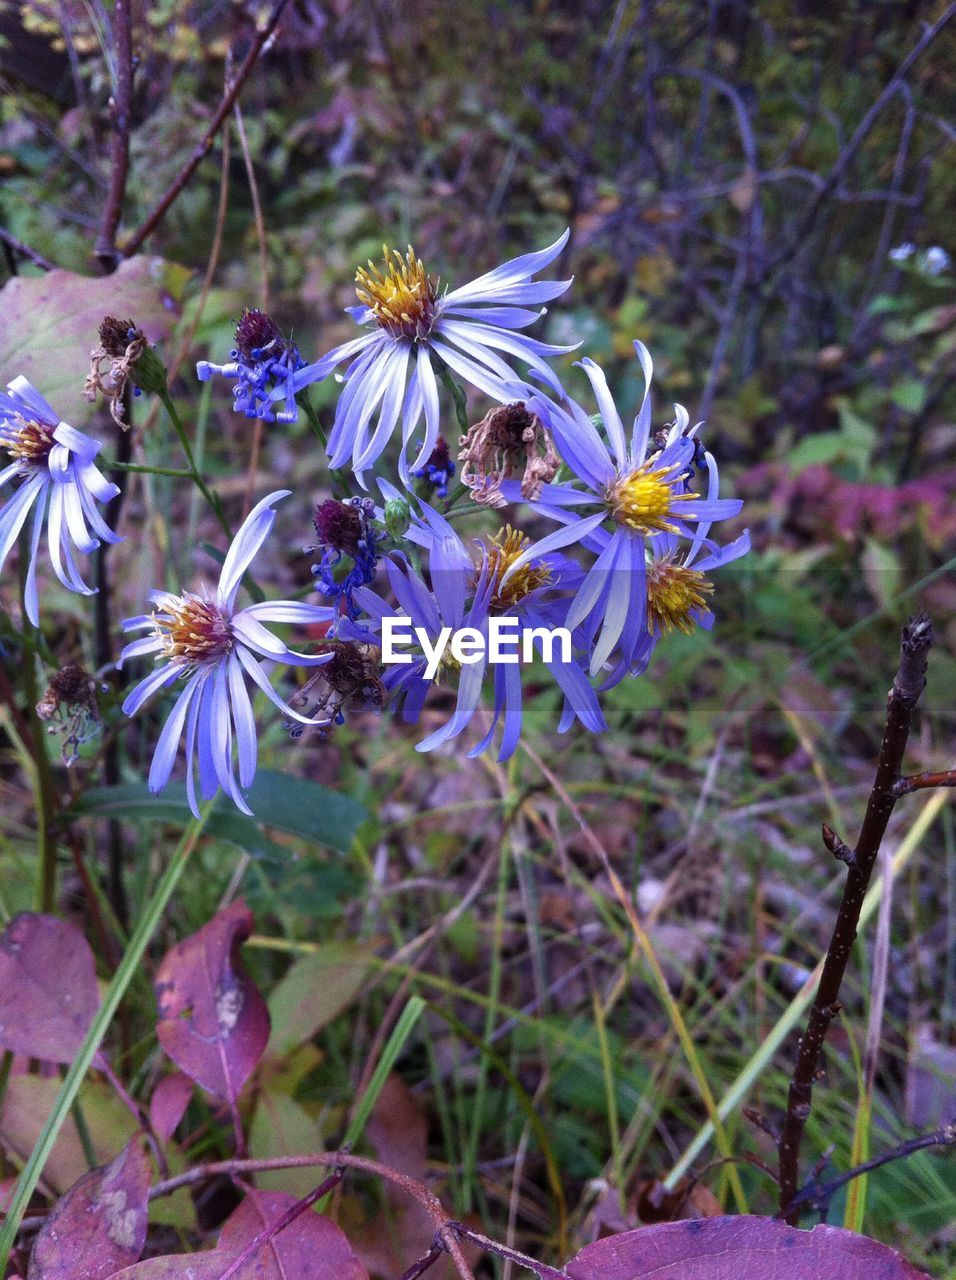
{"points": [[99, 1226], [742, 1248], [213, 1021], [48, 992], [310, 1248], [168, 1104]]}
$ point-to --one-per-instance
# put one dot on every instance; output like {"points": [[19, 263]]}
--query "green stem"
{"points": [[340, 486], [457, 394], [43, 777], [180, 473], [27, 1182], [212, 498]]}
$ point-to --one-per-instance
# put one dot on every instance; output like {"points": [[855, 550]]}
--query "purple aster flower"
{"points": [[346, 534], [213, 646], [61, 484], [464, 594], [678, 591], [637, 494], [264, 364], [392, 375]]}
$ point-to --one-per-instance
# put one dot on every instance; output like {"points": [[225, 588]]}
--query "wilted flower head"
{"points": [[132, 361], [350, 681], [264, 365], [495, 446], [346, 530], [70, 702], [59, 481], [411, 324], [201, 638]]}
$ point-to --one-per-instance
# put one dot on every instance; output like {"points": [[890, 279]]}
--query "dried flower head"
{"points": [[132, 362], [70, 701], [351, 681], [495, 446]]}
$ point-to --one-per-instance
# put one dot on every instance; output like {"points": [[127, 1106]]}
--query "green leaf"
{"points": [[314, 991], [51, 323], [295, 805]]}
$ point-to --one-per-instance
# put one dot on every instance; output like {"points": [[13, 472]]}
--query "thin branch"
{"points": [[229, 99], [121, 107], [25, 251], [924, 781], [849, 152], [817, 1195], [904, 695]]}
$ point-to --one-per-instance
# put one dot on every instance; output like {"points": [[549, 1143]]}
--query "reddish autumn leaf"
{"points": [[213, 1021], [739, 1248], [310, 1248], [168, 1104], [48, 992], [99, 1226]]}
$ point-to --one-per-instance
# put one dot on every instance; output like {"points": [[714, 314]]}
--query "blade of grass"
{"points": [[30, 1176], [396, 1043]]}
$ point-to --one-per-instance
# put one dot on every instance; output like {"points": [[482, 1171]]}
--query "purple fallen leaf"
{"points": [[213, 1021], [310, 1248], [48, 992], [739, 1248], [168, 1104], [99, 1226]]}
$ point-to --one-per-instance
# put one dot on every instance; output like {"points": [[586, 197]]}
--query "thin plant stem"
{"points": [[33, 1169], [211, 498], [42, 773]]}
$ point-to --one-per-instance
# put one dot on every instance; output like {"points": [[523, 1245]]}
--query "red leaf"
{"points": [[48, 992], [739, 1249], [310, 1248], [168, 1104], [213, 1021], [99, 1226]]}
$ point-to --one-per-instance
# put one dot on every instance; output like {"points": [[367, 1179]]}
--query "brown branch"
{"points": [[229, 98], [444, 1227], [923, 781], [121, 110], [903, 697], [286, 1219]]}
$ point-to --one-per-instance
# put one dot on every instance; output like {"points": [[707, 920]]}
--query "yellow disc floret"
{"points": [[403, 300], [645, 499], [505, 548], [29, 441], [673, 592], [192, 629]]}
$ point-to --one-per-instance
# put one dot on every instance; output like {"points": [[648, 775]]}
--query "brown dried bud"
{"points": [[495, 446], [71, 699], [132, 361]]}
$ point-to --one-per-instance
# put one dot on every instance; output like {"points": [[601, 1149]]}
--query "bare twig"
{"points": [[924, 781], [24, 251], [229, 98], [904, 695], [121, 109], [816, 1195]]}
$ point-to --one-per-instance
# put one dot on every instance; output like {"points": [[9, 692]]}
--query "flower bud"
{"points": [[397, 517]]}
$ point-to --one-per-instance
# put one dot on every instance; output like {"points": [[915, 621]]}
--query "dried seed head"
{"points": [[70, 701], [116, 335], [257, 333], [496, 445], [339, 526]]}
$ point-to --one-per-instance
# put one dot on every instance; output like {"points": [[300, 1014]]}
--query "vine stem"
{"points": [[33, 1169], [901, 703]]}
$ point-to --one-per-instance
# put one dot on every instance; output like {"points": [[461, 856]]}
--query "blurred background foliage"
{"points": [[736, 175]]}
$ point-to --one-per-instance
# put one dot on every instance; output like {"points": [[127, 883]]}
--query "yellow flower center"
{"points": [[192, 629], [673, 591], [403, 300], [644, 500], [29, 441], [506, 546]]}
